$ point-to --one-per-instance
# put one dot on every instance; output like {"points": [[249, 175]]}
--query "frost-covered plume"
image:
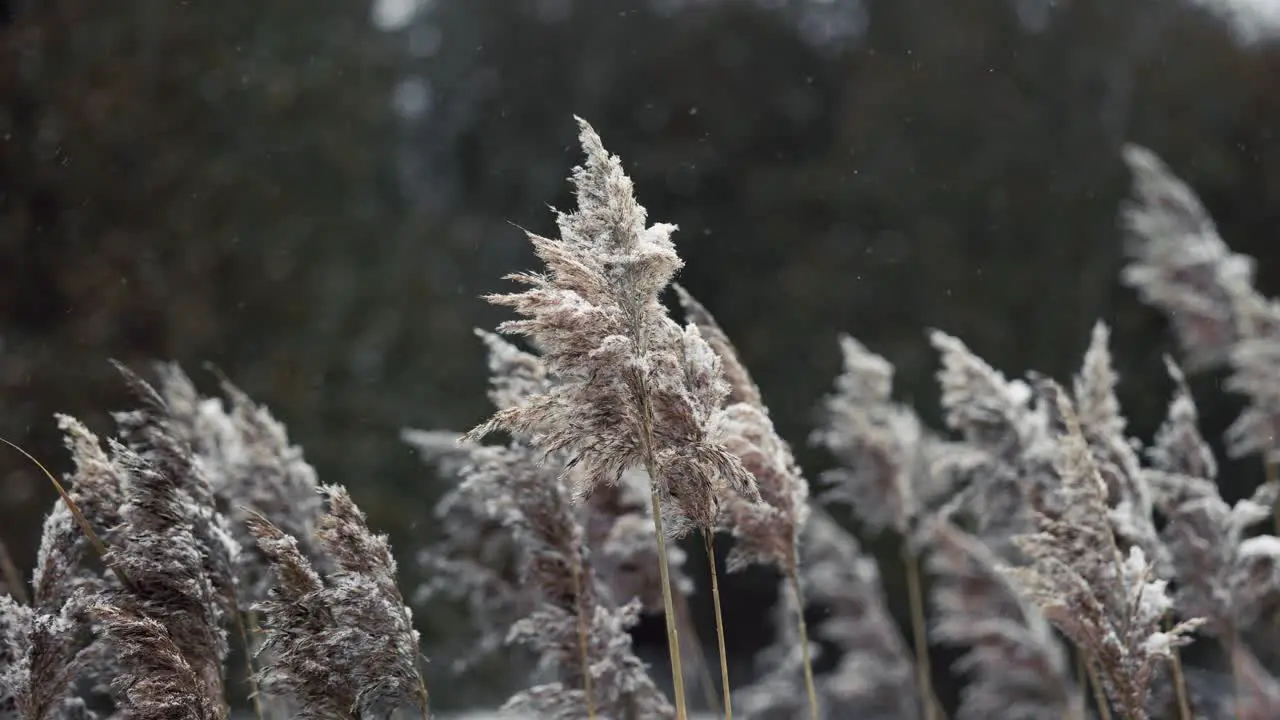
{"points": [[618, 524], [515, 377], [1016, 668], [572, 605], [566, 611], [15, 627], [98, 488], [631, 387], [342, 646], [765, 532], [476, 559], [873, 677], [1006, 456], [1255, 587], [41, 645], [1212, 560], [168, 568], [1114, 454], [883, 450], [175, 486], [742, 389], [157, 681], [524, 504], [1178, 262], [1179, 448], [1256, 363], [768, 532], [251, 467], [1180, 265], [1110, 605]]}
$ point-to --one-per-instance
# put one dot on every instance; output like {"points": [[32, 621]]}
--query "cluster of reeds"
{"points": [[1063, 561], [197, 528]]}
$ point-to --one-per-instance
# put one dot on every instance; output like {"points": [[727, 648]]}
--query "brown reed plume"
{"points": [[353, 618], [767, 532], [1017, 669], [632, 387], [526, 498], [1109, 604], [1180, 265]]}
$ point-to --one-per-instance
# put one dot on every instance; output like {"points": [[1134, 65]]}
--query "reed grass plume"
{"points": [[1110, 604], [159, 683], [249, 462], [564, 609], [766, 524], [1180, 265], [1015, 666], [1005, 459], [632, 388], [885, 472], [557, 584], [353, 618], [1207, 538]]}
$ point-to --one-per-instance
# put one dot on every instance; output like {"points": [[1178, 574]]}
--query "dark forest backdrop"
{"points": [[312, 201]]}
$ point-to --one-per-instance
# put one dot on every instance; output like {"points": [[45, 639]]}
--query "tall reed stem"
{"points": [[689, 634], [584, 652], [252, 676], [793, 576], [1180, 687], [709, 544], [651, 466], [1082, 680], [1233, 647], [673, 635], [924, 675], [1269, 470]]}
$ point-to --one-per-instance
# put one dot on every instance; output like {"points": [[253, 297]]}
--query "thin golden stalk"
{"points": [[794, 577], [1082, 679], [252, 676], [1180, 687], [1269, 470], [709, 544], [668, 605], [1233, 647], [689, 633], [915, 594], [12, 576], [584, 652], [673, 635]]}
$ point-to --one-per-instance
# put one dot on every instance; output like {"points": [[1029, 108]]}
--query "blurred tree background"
{"points": [[311, 198]]}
